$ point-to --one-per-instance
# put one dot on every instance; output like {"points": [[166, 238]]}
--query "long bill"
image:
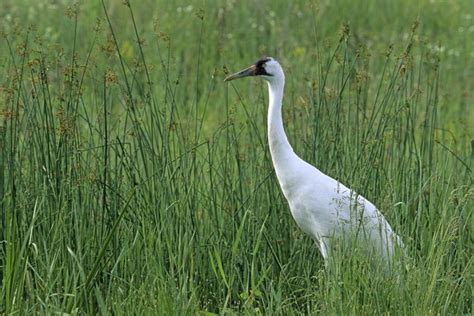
{"points": [[250, 71]]}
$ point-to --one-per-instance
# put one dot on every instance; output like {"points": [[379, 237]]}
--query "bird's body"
{"points": [[322, 207]]}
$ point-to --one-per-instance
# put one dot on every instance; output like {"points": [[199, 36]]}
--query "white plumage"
{"points": [[322, 207]]}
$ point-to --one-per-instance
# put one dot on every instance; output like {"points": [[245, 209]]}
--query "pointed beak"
{"points": [[250, 71]]}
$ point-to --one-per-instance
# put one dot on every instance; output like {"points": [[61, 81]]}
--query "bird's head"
{"points": [[266, 68]]}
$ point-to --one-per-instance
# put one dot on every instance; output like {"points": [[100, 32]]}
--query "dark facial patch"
{"points": [[259, 67]]}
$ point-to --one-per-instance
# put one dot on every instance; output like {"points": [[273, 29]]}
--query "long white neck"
{"points": [[281, 151]]}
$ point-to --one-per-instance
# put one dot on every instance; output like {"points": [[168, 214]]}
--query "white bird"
{"points": [[323, 208]]}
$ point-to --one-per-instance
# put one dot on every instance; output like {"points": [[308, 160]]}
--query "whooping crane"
{"points": [[322, 207]]}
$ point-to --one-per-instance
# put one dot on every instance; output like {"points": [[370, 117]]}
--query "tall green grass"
{"points": [[133, 181]]}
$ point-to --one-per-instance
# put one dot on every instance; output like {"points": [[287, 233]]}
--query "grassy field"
{"points": [[134, 181]]}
